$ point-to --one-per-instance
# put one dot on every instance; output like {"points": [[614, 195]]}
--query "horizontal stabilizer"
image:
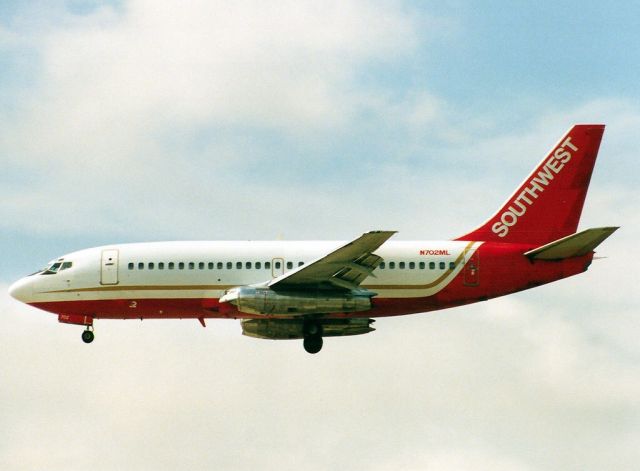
{"points": [[574, 245]]}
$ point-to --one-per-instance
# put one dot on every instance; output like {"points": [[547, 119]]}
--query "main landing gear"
{"points": [[87, 335], [312, 337]]}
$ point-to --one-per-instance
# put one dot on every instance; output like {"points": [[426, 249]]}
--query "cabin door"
{"points": [[109, 267], [472, 269]]}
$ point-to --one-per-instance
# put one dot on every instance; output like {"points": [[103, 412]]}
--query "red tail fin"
{"points": [[547, 206]]}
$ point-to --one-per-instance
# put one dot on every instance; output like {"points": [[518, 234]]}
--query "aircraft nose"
{"points": [[21, 290]]}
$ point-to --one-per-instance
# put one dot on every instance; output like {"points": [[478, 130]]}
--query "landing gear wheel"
{"points": [[87, 336], [313, 343]]}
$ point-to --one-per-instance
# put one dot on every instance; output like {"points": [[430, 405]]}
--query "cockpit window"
{"points": [[52, 269], [66, 265]]}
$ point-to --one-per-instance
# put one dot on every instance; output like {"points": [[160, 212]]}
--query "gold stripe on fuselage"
{"points": [[144, 288]]}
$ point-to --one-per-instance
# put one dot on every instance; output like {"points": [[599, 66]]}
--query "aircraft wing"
{"points": [[344, 268]]}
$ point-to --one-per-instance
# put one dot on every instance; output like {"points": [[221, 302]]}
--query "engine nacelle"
{"points": [[265, 301], [282, 329]]}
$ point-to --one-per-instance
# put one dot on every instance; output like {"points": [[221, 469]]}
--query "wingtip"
{"points": [[386, 234]]}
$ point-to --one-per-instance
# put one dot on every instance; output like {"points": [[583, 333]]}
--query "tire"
{"points": [[313, 344], [87, 336]]}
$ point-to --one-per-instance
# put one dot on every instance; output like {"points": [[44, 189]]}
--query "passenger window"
{"points": [[267, 265], [239, 265], [392, 265], [151, 265], [192, 265], [210, 266], [258, 265], [412, 265], [401, 265], [161, 266], [432, 265], [201, 266], [247, 265], [131, 266], [140, 266], [289, 265], [219, 265], [229, 265], [452, 265], [421, 265], [442, 265], [381, 265], [277, 265], [300, 264], [171, 265], [181, 265]]}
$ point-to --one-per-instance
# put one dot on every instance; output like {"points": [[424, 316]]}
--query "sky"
{"points": [[127, 121]]}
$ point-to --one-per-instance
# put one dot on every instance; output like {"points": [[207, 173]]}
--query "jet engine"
{"points": [[282, 329], [265, 301]]}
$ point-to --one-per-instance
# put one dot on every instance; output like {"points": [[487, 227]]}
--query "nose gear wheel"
{"points": [[87, 335]]}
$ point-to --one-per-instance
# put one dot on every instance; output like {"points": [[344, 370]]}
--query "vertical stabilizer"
{"points": [[548, 205]]}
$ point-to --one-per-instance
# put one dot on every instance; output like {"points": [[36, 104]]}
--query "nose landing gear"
{"points": [[87, 335], [79, 319]]}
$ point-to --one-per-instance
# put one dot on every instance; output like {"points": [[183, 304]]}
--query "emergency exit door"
{"points": [[277, 267], [109, 267]]}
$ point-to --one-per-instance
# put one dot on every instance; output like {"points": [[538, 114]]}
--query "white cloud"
{"points": [[110, 141], [514, 383], [467, 458], [167, 194], [152, 120], [150, 105], [286, 65]]}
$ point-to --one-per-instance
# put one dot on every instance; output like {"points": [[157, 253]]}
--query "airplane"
{"points": [[314, 289]]}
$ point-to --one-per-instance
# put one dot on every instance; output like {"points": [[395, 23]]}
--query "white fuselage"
{"points": [[202, 270]]}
